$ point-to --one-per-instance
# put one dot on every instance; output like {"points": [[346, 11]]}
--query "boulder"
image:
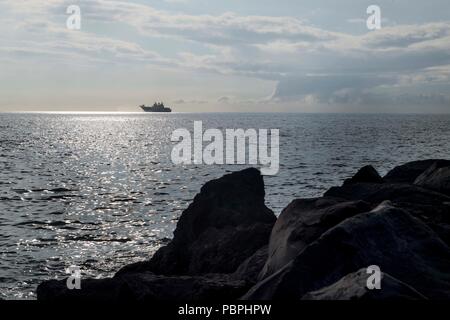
{"points": [[365, 174], [376, 193], [430, 206], [319, 248], [401, 245], [354, 287], [226, 224], [435, 216], [145, 286], [224, 229], [436, 177], [250, 268], [302, 222], [408, 172]]}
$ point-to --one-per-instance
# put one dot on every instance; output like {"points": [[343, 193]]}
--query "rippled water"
{"points": [[99, 190]]}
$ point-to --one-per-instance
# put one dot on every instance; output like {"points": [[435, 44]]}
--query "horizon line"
{"points": [[222, 112]]}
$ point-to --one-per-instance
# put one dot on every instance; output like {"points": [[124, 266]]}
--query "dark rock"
{"points": [[399, 244], [365, 174], [430, 206], [436, 177], [226, 223], [145, 287], [408, 172], [302, 222], [250, 268], [224, 228], [354, 287], [441, 229], [319, 248], [395, 192], [435, 216]]}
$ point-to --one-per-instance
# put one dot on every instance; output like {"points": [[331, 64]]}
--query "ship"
{"points": [[157, 107]]}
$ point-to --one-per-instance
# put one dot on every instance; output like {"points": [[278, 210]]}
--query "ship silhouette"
{"points": [[157, 107]]}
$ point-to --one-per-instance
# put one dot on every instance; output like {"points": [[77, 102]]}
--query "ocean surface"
{"points": [[98, 190]]}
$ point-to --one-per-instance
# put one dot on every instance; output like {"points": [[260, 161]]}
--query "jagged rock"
{"points": [[430, 206], [398, 243], [302, 222], [395, 192], [221, 244], [435, 216], [409, 172], [354, 287], [145, 287], [226, 223], [365, 174], [250, 268], [436, 177]]}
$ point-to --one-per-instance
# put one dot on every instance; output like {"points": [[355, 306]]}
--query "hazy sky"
{"points": [[234, 55]]}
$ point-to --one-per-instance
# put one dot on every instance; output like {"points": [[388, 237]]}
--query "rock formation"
{"points": [[229, 245], [226, 224]]}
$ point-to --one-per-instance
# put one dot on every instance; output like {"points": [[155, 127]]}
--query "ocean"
{"points": [[99, 190]]}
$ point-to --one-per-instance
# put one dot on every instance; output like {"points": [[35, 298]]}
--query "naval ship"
{"points": [[157, 107]]}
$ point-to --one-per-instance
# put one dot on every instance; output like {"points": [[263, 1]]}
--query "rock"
{"points": [[354, 287], [436, 177], [224, 228], [302, 222], [408, 172], [319, 248], [428, 205], [226, 223], [401, 245], [396, 192], [441, 229], [143, 287], [250, 268], [365, 174], [435, 216]]}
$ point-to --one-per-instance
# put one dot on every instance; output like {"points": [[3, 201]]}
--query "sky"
{"points": [[220, 56]]}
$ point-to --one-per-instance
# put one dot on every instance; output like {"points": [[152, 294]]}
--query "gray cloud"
{"points": [[402, 64]]}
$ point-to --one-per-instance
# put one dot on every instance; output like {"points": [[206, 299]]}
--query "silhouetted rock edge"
{"points": [[229, 245]]}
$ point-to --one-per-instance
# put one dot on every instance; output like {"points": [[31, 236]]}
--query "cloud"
{"points": [[226, 28], [397, 64], [224, 99], [347, 90], [357, 69], [326, 85], [411, 36], [193, 101], [42, 38], [177, 1]]}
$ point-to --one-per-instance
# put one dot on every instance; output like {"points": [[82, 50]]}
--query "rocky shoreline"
{"points": [[228, 245]]}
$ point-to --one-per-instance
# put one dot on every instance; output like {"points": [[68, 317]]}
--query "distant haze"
{"points": [[219, 56]]}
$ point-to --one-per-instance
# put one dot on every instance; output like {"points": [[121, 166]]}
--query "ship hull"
{"points": [[151, 109]]}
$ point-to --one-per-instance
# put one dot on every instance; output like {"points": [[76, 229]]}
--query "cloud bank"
{"points": [[400, 65]]}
